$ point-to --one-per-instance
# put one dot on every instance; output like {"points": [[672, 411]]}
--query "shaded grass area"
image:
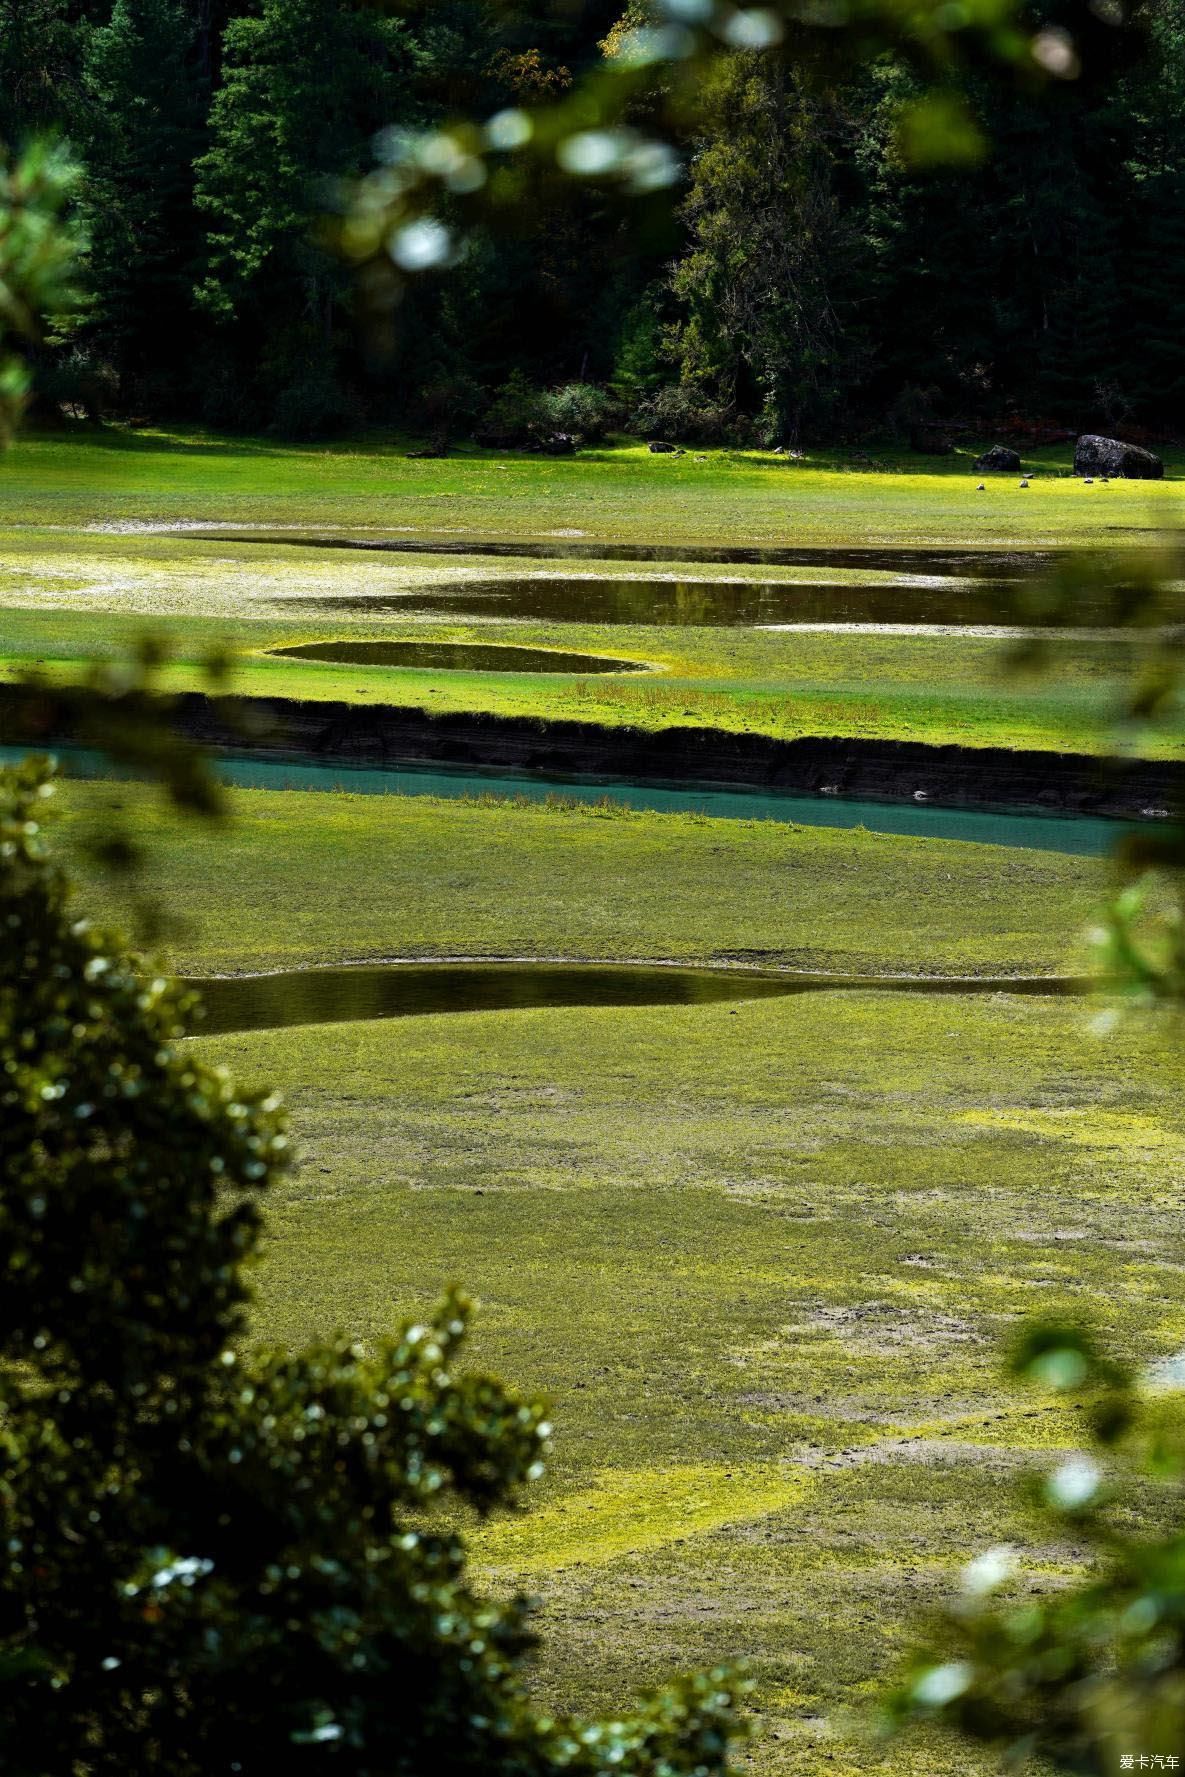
{"points": [[309, 877], [621, 492], [764, 1258]]}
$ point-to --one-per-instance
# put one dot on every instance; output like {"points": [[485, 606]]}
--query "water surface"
{"points": [[403, 990], [958, 604], [485, 657], [1079, 835]]}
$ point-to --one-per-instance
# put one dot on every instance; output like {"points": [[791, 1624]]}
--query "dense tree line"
{"points": [[816, 278]]}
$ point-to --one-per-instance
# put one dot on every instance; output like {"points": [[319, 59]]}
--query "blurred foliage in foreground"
{"points": [[1136, 598], [1090, 1678], [39, 247], [216, 1560], [1091, 1674]]}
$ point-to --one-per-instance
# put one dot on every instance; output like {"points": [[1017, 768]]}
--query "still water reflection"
{"points": [[401, 990], [482, 657]]}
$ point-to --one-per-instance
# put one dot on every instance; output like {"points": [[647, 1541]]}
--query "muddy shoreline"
{"points": [[884, 558], [326, 732]]}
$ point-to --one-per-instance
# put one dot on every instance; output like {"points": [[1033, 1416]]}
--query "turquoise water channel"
{"points": [[1079, 835]]}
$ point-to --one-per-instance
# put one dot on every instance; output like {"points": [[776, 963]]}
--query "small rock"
{"points": [[658, 448]]}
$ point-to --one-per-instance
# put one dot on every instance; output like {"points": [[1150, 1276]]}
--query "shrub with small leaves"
{"points": [[215, 1561], [581, 410], [516, 415]]}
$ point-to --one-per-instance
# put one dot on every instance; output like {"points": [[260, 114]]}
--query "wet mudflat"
{"points": [[480, 657], [404, 990], [717, 604]]}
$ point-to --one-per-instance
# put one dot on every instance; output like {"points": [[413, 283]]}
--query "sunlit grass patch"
{"points": [[1125, 1132], [627, 1511]]}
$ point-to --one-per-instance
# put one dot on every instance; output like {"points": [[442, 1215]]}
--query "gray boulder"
{"points": [[661, 449], [1094, 455], [999, 457]]}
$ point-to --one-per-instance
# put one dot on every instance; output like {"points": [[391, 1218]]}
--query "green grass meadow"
{"points": [[765, 1258], [81, 574], [617, 492]]}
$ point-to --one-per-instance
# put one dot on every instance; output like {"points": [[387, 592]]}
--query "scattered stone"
{"points": [[999, 457], [1094, 455], [658, 448]]}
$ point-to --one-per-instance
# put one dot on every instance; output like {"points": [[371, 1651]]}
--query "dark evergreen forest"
{"points": [[806, 280]]}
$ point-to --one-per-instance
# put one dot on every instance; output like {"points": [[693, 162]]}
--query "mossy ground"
{"points": [[619, 492], [765, 1258], [943, 690], [766, 1261], [304, 877]]}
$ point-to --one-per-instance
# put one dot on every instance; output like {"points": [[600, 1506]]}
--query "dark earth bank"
{"points": [[873, 770]]}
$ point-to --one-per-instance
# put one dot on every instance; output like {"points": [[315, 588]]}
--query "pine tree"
{"points": [[305, 87], [144, 105], [40, 55]]}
